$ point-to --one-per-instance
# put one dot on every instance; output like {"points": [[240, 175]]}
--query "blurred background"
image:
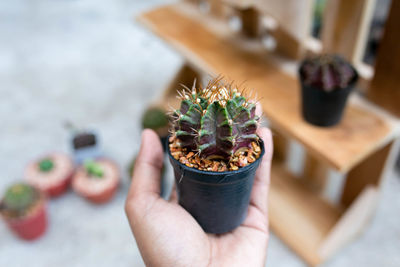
{"points": [[90, 63]]}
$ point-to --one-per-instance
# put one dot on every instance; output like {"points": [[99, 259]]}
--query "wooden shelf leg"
{"points": [[250, 18], [314, 173], [186, 76], [280, 146], [369, 172], [345, 27]]}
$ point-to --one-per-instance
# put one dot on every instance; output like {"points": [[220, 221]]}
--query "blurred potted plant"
{"points": [[96, 180], [326, 82], [155, 118], [51, 174], [85, 145], [23, 207], [215, 151]]}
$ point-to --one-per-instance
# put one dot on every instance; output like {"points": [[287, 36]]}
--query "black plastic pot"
{"points": [[323, 108], [164, 142], [217, 200]]}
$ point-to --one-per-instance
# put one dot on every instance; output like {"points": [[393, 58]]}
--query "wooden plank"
{"points": [[293, 16], [385, 86], [281, 144], [345, 27], [368, 172], [360, 132], [186, 75], [314, 173], [239, 3], [353, 221], [250, 18], [299, 217]]}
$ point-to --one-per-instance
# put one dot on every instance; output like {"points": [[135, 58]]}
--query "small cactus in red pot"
{"points": [[23, 208]]}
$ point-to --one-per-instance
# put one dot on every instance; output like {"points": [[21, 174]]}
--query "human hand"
{"points": [[167, 235]]}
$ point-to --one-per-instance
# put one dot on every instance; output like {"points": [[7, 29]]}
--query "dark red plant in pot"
{"points": [[326, 82], [215, 152], [23, 207]]}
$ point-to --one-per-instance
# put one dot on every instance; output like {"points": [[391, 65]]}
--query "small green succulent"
{"points": [[46, 165], [19, 198], [94, 169], [156, 119]]}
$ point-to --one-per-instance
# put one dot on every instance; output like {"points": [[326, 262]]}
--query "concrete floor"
{"points": [[87, 62]]}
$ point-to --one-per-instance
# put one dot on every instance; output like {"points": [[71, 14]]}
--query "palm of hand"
{"points": [[167, 235]]}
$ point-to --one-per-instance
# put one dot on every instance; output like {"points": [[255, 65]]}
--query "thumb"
{"points": [[146, 177]]}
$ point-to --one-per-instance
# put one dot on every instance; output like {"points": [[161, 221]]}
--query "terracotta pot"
{"points": [[97, 190], [30, 226], [54, 182]]}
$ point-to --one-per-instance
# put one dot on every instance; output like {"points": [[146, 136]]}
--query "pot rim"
{"points": [[212, 173]]}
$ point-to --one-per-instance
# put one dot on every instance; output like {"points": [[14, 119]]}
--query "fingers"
{"points": [[259, 194], [147, 172]]}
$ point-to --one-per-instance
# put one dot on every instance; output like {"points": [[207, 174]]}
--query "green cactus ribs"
{"points": [[18, 199], [215, 122], [328, 72]]}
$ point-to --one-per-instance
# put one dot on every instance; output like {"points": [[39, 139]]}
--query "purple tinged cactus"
{"points": [[328, 72], [216, 121]]}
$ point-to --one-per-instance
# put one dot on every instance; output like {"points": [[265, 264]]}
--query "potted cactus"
{"points": [[96, 180], [85, 146], [326, 82], [24, 210], [51, 174], [155, 118], [215, 151]]}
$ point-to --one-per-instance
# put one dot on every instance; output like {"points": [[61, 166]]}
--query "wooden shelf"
{"points": [[310, 225], [298, 216], [359, 146], [360, 133]]}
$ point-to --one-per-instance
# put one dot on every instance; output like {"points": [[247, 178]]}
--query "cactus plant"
{"points": [[156, 119], [215, 152], [18, 199], [94, 169], [326, 82], [216, 121], [46, 165], [328, 72]]}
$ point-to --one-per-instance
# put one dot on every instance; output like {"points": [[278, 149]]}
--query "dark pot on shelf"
{"points": [[323, 108], [217, 200]]}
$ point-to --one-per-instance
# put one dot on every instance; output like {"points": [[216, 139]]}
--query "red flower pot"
{"points": [[32, 225], [54, 182], [97, 190]]}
